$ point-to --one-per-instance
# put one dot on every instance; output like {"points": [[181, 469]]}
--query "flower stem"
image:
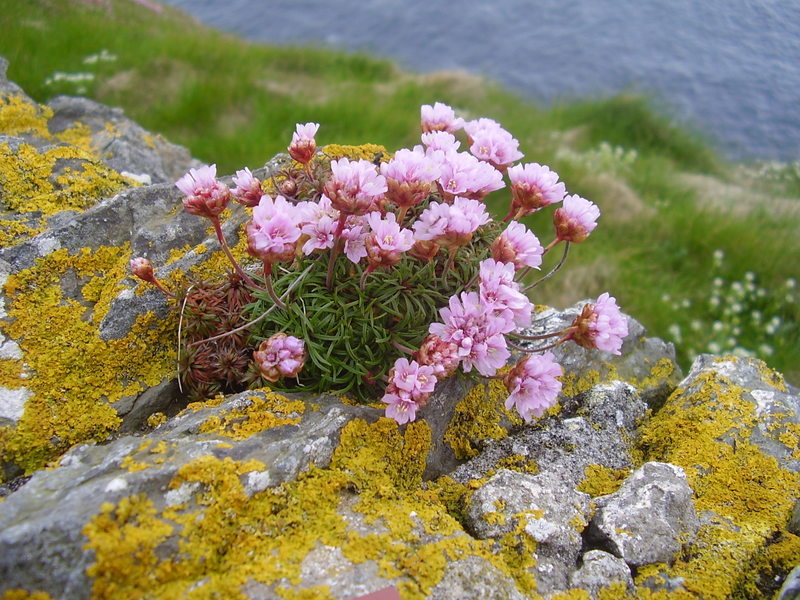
{"points": [[553, 271], [540, 349], [543, 336], [336, 250], [227, 250], [268, 285]]}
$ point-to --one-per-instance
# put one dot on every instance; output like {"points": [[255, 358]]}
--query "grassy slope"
{"points": [[236, 103]]}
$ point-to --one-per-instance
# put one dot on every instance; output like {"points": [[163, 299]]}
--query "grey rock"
{"points": [[122, 144], [794, 521], [550, 512], [600, 569], [790, 590], [474, 578], [41, 544], [649, 519]]}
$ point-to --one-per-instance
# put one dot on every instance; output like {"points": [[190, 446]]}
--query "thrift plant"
{"points": [[380, 280]]}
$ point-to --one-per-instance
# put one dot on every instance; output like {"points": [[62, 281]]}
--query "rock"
{"points": [[649, 519], [474, 578], [600, 570], [791, 587], [540, 507]]}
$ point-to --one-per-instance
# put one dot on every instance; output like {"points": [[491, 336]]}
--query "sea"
{"points": [[728, 69]]}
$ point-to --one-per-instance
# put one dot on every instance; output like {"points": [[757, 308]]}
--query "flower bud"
{"points": [[203, 194], [303, 144], [143, 269], [248, 188], [442, 356]]}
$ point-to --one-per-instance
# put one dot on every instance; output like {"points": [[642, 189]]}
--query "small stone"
{"points": [[599, 570]]}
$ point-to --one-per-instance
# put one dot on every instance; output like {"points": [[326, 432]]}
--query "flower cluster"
{"points": [[367, 252]]}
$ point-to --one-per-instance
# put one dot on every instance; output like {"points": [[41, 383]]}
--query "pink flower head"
{"points": [[387, 241], [355, 186], [409, 176], [601, 325], [354, 235], [440, 355], [318, 221], [400, 407], [518, 245], [477, 332], [303, 144], [576, 219], [143, 269], [279, 356], [533, 385], [451, 225], [203, 194], [248, 188], [533, 186], [272, 233], [440, 140], [439, 117], [464, 175], [492, 143], [499, 292], [411, 379]]}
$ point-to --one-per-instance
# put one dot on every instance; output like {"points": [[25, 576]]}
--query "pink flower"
{"points": [[409, 176], [499, 292], [601, 325], [491, 143], [464, 175], [279, 356], [318, 222], [303, 145], [518, 245], [272, 233], [533, 186], [439, 117], [355, 238], [477, 332], [387, 241], [440, 355], [248, 188], [576, 219], [401, 408], [355, 186], [203, 194], [450, 225], [440, 140], [411, 379], [533, 385]]}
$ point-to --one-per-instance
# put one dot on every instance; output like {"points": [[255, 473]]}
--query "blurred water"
{"points": [[728, 67]]}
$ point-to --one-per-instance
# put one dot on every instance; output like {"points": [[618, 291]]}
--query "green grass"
{"points": [[235, 103]]}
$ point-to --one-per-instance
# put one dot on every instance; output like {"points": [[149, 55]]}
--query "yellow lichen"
{"points": [[600, 480], [156, 419], [25, 595], [263, 412], [371, 152], [74, 375], [706, 430]]}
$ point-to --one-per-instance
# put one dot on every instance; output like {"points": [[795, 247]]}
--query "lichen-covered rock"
{"points": [[474, 578], [537, 507], [601, 570], [649, 519]]}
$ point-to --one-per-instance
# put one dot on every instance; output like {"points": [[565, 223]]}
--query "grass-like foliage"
{"points": [[352, 335]]}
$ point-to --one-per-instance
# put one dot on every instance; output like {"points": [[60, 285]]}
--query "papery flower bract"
{"points": [[499, 292], [519, 246], [464, 175], [409, 176], [533, 186], [279, 356], [533, 385], [203, 194], [477, 331], [355, 187], [303, 144], [442, 356], [439, 117], [491, 143], [386, 242], [400, 407], [424, 250], [575, 219], [248, 188], [450, 225], [601, 325], [411, 379]]}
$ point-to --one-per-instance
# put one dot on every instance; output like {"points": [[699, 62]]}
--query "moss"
{"points": [[600, 480], [749, 497], [263, 412], [479, 416], [75, 376]]}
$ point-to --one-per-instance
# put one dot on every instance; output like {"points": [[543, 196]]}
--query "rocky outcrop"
{"points": [[639, 481]]}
